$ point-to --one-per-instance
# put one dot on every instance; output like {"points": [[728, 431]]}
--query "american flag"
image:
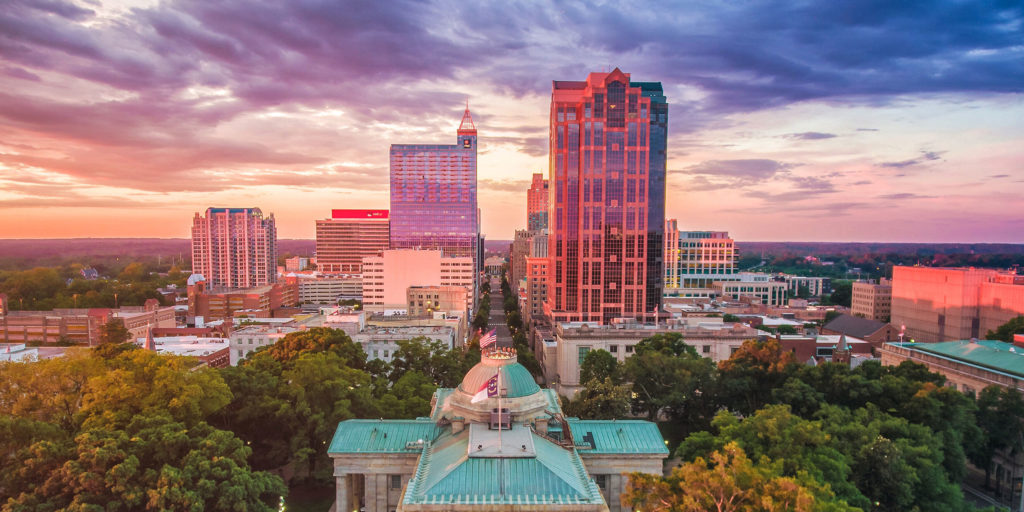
{"points": [[489, 339]]}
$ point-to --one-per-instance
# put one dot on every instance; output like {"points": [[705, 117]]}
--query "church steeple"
{"points": [[467, 118]]}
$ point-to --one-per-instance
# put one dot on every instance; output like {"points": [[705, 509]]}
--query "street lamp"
{"points": [[115, 301]]}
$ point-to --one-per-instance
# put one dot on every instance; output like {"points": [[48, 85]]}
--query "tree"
{"points": [[155, 463], [797, 447], [1000, 416], [842, 293], [670, 343], [1006, 331], [114, 331], [752, 372], [318, 339], [600, 365], [599, 400], [443, 366], [669, 378], [729, 481]]}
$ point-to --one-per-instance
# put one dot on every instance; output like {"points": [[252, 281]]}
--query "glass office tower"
{"points": [[433, 195], [607, 185]]}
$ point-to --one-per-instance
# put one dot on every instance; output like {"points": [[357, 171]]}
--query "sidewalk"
{"points": [[975, 492]]}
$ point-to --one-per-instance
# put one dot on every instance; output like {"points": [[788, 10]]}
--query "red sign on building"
{"points": [[359, 214]]}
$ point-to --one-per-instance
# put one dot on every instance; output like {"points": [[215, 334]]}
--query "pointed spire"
{"points": [[466, 116], [843, 345]]}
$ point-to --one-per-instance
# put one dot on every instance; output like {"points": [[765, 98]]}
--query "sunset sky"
{"points": [[880, 121]]}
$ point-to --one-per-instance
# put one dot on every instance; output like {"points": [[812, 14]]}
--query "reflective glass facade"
{"points": [[607, 188], [433, 195]]}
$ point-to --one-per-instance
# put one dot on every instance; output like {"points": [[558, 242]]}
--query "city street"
{"points": [[497, 318]]}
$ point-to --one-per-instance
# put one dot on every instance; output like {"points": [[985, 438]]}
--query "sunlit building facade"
{"points": [[343, 240], [695, 260], [607, 172], [433, 195], [234, 248], [537, 203]]}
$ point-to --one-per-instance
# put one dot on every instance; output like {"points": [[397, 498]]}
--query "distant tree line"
{"points": [[46, 288]]}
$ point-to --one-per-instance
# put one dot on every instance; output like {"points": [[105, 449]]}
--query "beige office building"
{"points": [[427, 300], [387, 278], [757, 288], [872, 300], [695, 260], [574, 340]]}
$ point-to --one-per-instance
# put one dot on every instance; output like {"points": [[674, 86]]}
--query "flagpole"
{"points": [[501, 417]]}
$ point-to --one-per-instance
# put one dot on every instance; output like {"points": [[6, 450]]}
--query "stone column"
{"points": [[341, 494]]}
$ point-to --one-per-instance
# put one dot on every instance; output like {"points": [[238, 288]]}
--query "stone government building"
{"points": [[456, 459]]}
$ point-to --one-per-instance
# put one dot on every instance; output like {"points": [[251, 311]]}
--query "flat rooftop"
{"points": [[992, 354]]}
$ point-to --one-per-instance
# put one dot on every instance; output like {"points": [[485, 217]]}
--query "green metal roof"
{"points": [[447, 475], [515, 379], [617, 436], [992, 354], [382, 436]]}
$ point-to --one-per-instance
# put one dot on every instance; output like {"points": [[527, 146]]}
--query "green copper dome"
{"points": [[515, 379]]}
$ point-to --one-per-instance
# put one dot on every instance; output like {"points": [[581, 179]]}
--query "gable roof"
{"points": [[382, 436], [617, 436], [447, 475], [854, 326]]}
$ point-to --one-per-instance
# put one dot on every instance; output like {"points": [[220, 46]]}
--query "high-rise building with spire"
{"points": [[607, 174], [433, 195]]}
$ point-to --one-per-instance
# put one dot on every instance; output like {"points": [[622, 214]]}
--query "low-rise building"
{"points": [[493, 265], [712, 338], [18, 352], [695, 260], [269, 300], [427, 300], [760, 288], [822, 347], [213, 352], [872, 331], [382, 342], [872, 300], [387, 278], [246, 339], [80, 326], [815, 286], [330, 289], [458, 324]]}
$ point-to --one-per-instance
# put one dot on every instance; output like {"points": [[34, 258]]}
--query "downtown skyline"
{"points": [[874, 123]]}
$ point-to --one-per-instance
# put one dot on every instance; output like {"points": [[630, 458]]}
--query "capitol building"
{"points": [[469, 456]]}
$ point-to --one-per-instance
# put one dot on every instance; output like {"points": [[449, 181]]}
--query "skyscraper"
{"points": [[433, 195], [234, 248], [607, 169], [343, 240], [537, 203]]}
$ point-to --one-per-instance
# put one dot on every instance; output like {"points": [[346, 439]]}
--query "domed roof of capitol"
{"points": [[515, 378]]}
